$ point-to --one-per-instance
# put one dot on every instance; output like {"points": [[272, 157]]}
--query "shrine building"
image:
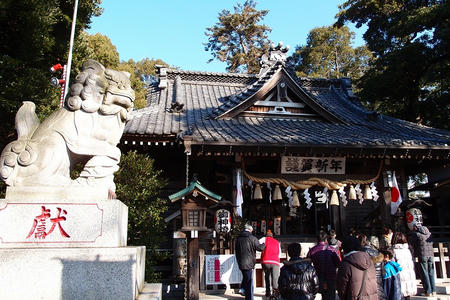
{"points": [[294, 155]]}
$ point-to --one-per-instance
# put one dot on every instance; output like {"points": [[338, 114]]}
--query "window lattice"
{"points": [[194, 218]]}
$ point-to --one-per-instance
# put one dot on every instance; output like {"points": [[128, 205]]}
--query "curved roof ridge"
{"points": [[353, 105], [224, 74]]}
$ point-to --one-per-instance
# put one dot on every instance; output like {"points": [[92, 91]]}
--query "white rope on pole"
{"points": [[69, 58]]}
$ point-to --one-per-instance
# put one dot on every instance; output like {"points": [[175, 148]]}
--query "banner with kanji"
{"points": [[312, 165]]}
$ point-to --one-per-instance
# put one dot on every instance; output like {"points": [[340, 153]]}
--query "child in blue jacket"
{"points": [[391, 277]]}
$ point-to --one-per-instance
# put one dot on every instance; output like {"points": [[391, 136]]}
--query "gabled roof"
{"points": [[195, 186], [235, 104], [213, 109]]}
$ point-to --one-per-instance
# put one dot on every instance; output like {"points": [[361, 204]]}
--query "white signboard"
{"points": [[312, 165], [222, 269]]}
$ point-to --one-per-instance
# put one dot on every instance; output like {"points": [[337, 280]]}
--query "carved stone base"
{"points": [[61, 223], [72, 273]]}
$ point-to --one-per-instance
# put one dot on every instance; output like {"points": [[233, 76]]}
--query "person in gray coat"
{"points": [[420, 239]]}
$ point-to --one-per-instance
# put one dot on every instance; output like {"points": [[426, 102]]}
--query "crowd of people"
{"points": [[358, 267]]}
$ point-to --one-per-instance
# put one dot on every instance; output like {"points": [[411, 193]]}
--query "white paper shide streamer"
{"points": [[374, 191], [359, 193], [307, 198], [288, 192], [270, 192], [322, 197], [343, 196]]}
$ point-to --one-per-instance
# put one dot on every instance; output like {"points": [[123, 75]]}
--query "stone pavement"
{"points": [[230, 294], [442, 287]]}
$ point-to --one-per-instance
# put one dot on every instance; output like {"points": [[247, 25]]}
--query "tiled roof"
{"points": [[204, 97]]}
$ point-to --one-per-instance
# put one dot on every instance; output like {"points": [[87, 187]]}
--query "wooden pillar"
{"points": [[443, 268], [316, 229], [335, 221], [386, 209], [202, 268], [342, 224], [193, 269], [284, 214]]}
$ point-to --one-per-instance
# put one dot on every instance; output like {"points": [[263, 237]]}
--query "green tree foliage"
{"points": [[238, 39], [410, 40], [142, 73], [138, 185], [34, 35], [328, 53], [98, 47]]}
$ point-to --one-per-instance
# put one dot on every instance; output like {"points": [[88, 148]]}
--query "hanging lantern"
{"points": [[367, 193], [277, 193], [295, 201], [352, 193], [257, 194], [334, 198]]}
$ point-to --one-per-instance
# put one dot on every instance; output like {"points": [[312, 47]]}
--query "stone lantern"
{"points": [[195, 201]]}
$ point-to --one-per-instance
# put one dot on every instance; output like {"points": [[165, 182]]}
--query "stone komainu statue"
{"points": [[86, 130]]}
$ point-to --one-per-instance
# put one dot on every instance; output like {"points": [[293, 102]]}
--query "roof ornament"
{"points": [[276, 54], [161, 70], [177, 105]]}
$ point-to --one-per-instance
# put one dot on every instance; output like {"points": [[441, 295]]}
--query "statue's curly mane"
{"points": [[89, 91]]}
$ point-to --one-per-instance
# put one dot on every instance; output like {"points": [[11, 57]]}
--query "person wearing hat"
{"points": [[270, 259], [245, 248]]}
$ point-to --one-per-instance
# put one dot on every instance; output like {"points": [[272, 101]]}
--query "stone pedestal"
{"points": [[66, 244], [72, 273], [56, 223]]}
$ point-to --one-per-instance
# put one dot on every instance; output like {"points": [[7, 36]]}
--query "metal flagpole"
{"points": [[69, 58]]}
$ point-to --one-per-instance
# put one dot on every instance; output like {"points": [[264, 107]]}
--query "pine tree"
{"points": [[238, 39]]}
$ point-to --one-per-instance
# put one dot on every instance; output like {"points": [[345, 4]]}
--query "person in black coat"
{"points": [[298, 278], [245, 248]]}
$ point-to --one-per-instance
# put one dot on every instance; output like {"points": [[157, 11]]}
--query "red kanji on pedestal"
{"points": [[40, 224]]}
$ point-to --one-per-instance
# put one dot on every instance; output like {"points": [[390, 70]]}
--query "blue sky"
{"points": [[174, 30]]}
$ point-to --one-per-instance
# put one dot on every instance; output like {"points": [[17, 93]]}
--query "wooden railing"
{"points": [[441, 260]]}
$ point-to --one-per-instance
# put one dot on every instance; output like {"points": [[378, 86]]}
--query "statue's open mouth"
{"points": [[124, 98]]}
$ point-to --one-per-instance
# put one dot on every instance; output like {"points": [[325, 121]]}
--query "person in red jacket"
{"points": [[270, 260]]}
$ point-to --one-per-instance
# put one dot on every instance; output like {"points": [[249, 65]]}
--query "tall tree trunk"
{"points": [[336, 62]]}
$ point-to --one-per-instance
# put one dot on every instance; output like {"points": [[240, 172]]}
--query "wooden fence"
{"points": [[441, 260]]}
